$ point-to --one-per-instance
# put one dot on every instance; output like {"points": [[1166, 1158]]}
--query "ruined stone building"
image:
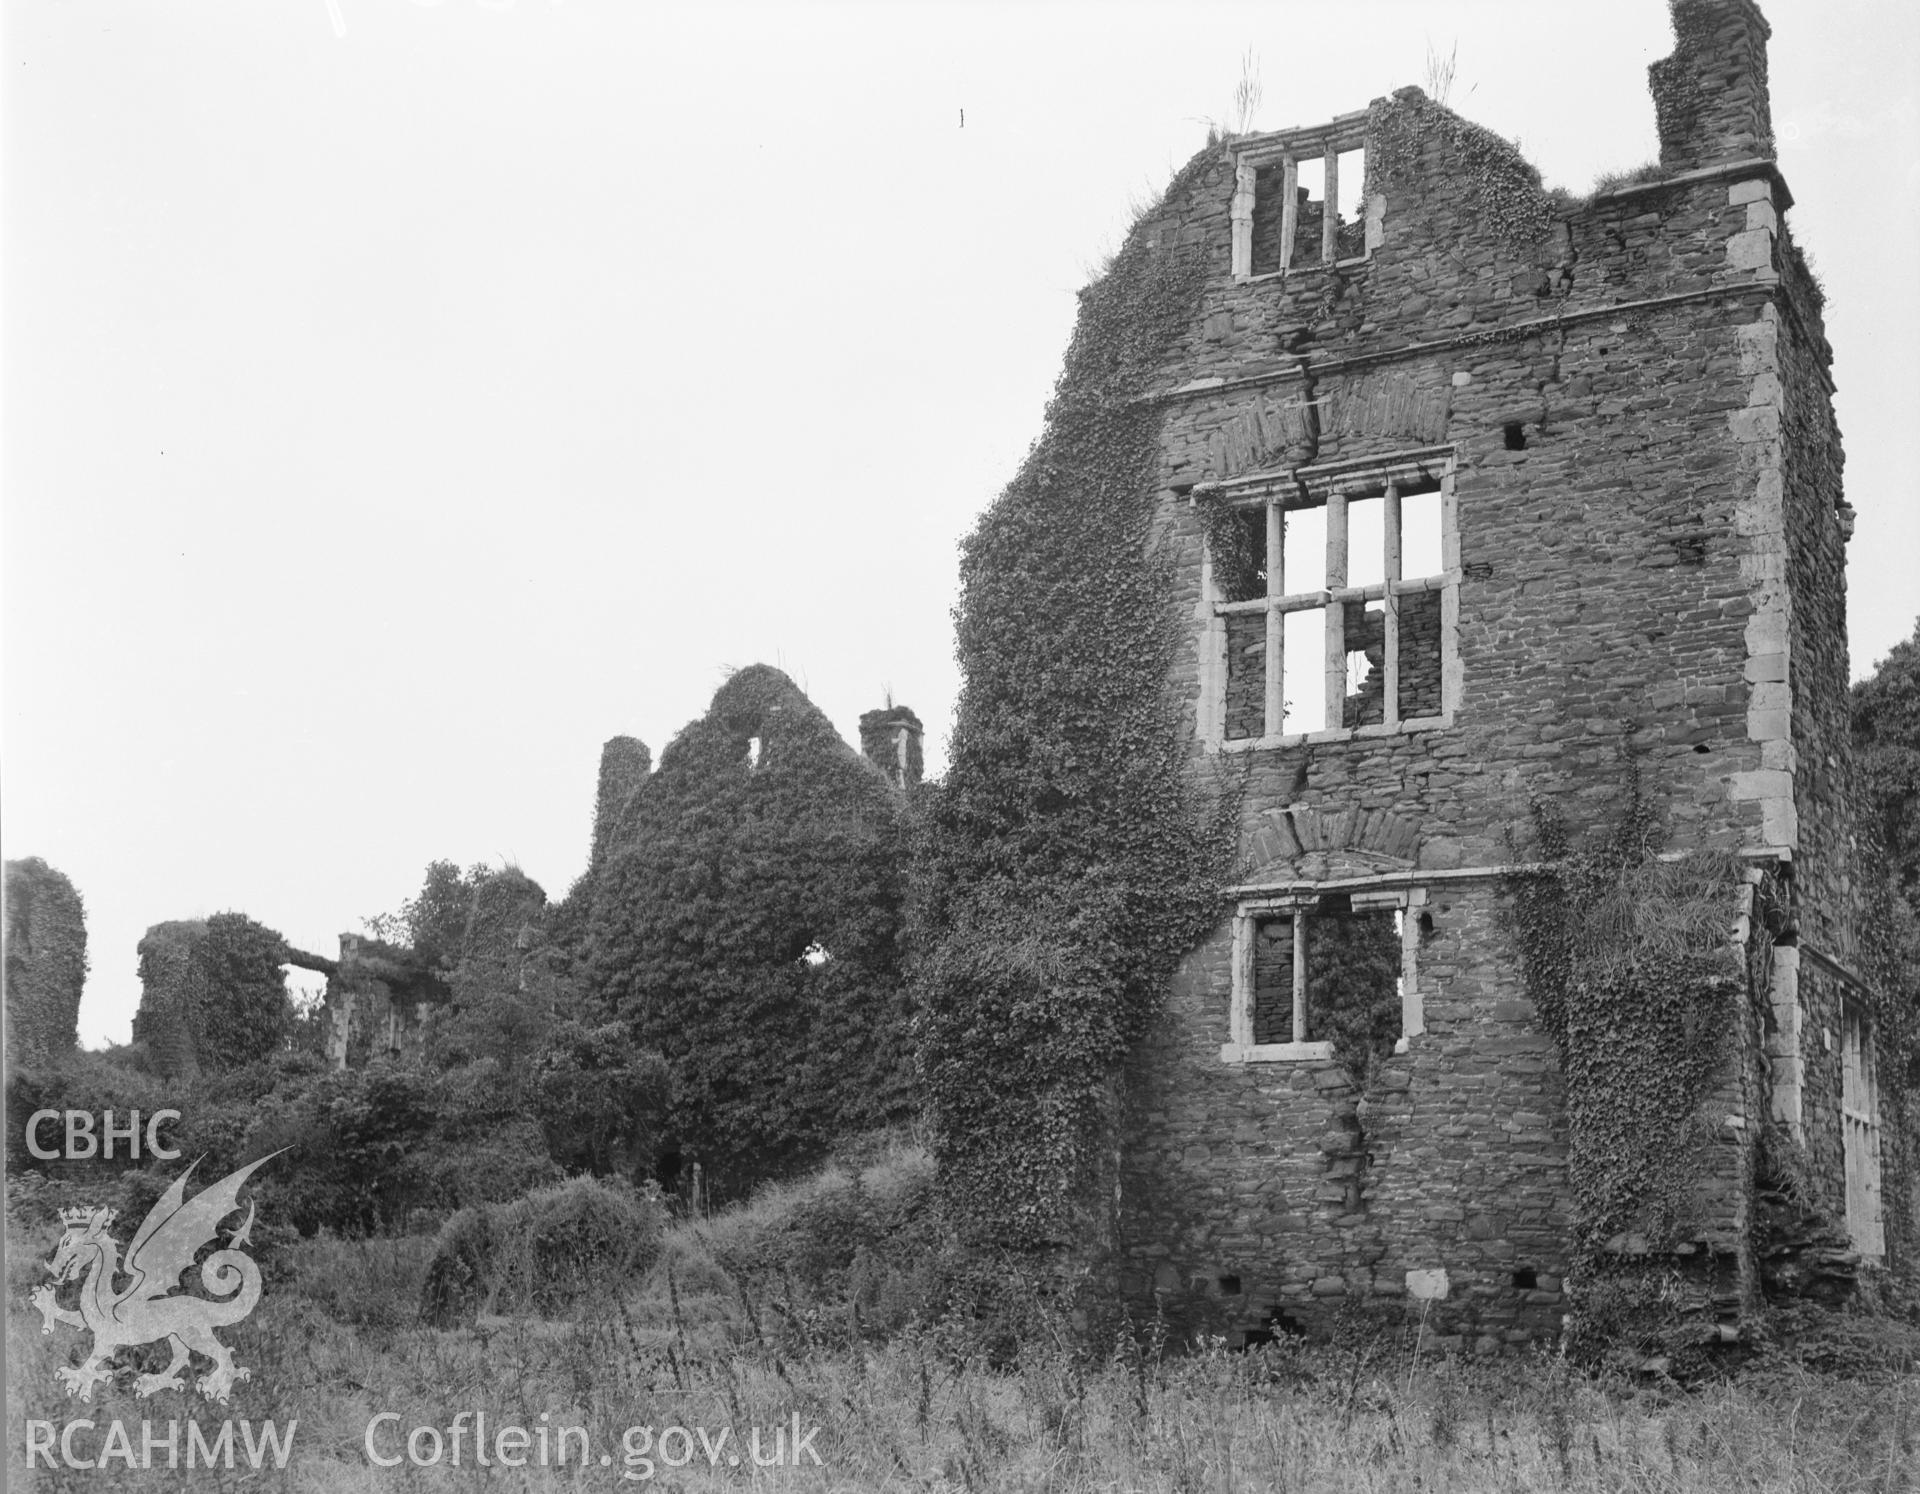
{"points": [[1472, 490]]}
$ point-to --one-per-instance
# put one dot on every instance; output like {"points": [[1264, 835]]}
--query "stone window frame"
{"points": [[1286, 149], [1860, 1128], [1328, 485], [1250, 911]]}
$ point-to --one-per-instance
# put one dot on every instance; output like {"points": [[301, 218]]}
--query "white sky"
{"points": [[400, 399]]}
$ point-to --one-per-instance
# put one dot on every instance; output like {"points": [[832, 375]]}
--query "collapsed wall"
{"points": [[745, 922], [46, 961]]}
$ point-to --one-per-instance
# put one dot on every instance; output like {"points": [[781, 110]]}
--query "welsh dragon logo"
{"points": [[148, 1309]]}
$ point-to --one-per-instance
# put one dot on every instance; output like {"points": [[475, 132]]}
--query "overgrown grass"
{"points": [[339, 1340], [1646, 171]]}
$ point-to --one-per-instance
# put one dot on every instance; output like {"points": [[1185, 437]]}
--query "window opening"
{"points": [[1351, 203], [1305, 672], [1366, 642], [1304, 555], [1420, 533], [1269, 219], [1331, 597], [1516, 436], [1366, 540], [1860, 1133], [1310, 211], [1318, 973], [1299, 201]]}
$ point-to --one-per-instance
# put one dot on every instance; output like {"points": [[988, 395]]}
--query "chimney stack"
{"points": [[624, 766], [890, 738], [1710, 97]]}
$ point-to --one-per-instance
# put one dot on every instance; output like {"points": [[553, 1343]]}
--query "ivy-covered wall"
{"points": [[213, 994], [46, 961], [625, 764], [746, 925], [1068, 858]]}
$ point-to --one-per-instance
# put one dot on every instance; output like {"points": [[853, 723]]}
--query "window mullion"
{"points": [[1240, 1017], [1390, 610], [1300, 975], [1329, 220], [1276, 621], [1289, 210], [1449, 597], [1336, 629], [1241, 213]]}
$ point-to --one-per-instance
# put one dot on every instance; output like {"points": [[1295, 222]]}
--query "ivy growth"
{"points": [[46, 960], [1627, 956], [1067, 861], [213, 994], [1414, 142], [747, 925]]}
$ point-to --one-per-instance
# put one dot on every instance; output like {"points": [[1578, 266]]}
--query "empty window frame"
{"points": [[1309, 965], [1334, 600], [1299, 201], [1860, 1133]]}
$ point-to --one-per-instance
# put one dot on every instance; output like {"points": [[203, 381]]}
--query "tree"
{"points": [[434, 924], [597, 1094], [1886, 754]]}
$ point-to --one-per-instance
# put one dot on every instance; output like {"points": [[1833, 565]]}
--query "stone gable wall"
{"points": [[1667, 526]]}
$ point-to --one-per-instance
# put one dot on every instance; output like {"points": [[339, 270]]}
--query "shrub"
{"points": [[81, 1080], [811, 1233], [542, 1253]]}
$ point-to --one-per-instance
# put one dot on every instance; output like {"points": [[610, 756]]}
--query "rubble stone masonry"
{"points": [[1644, 549]]}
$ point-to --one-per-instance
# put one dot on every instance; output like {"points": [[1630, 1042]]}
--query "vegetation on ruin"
{"points": [[799, 1303], [1626, 954], [747, 925], [212, 993], [1414, 142], [1066, 862], [46, 959], [1886, 757]]}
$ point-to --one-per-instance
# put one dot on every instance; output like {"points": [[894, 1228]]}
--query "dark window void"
{"points": [[1526, 1279], [1419, 654], [1240, 555], [1273, 979], [1269, 185], [1352, 971], [1353, 974], [1516, 435], [1230, 1286], [1246, 675], [1279, 1324]]}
